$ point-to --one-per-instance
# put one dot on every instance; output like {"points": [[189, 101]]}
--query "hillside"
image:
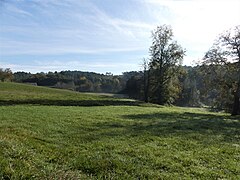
{"points": [[17, 93], [49, 141]]}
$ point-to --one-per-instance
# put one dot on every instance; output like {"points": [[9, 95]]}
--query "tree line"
{"points": [[214, 82], [75, 80], [72, 80]]}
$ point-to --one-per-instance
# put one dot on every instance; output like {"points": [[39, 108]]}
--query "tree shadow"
{"points": [[176, 124], [48, 102]]}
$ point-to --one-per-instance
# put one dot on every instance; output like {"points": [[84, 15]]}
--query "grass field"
{"points": [[16, 93], [118, 141]]}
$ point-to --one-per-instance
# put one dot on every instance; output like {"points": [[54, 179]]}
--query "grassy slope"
{"points": [[18, 92], [15, 93], [123, 142]]}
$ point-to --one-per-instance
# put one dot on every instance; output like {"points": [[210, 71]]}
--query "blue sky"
{"points": [[104, 35]]}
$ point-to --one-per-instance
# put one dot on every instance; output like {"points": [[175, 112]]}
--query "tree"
{"points": [[146, 79], [134, 87], [166, 56], [6, 74], [226, 53]]}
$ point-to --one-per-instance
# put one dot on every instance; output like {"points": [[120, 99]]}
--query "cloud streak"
{"points": [[91, 31]]}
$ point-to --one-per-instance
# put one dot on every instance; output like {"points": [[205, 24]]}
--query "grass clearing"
{"points": [[17, 93], [117, 142]]}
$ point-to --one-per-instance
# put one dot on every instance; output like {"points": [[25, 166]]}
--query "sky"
{"points": [[105, 35]]}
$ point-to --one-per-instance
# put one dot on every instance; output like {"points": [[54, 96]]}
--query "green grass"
{"points": [[20, 92], [117, 142], [16, 93]]}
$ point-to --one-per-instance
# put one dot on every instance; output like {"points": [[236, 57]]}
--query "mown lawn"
{"points": [[56, 134], [122, 142]]}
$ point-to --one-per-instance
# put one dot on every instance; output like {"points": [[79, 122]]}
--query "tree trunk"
{"points": [[146, 84], [236, 104]]}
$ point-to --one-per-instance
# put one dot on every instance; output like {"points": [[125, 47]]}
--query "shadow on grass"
{"points": [[177, 124], [48, 102]]}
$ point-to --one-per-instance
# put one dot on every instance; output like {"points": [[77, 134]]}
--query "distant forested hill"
{"points": [[77, 80]]}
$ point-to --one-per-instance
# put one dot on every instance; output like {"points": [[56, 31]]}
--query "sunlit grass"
{"points": [[18, 91], [120, 141]]}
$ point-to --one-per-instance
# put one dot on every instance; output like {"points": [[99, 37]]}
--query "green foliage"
{"points": [[224, 56], [75, 80], [215, 83], [6, 74], [192, 87], [220, 83], [159, 81], [113, 142], [165, 57], [134, 87]]}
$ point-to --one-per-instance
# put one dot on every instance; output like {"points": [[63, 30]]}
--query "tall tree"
{"points": [[166, 56], [146, 78], [225, 51]]}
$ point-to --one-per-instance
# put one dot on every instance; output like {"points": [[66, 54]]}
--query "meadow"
{"points": [[57, 134]]}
